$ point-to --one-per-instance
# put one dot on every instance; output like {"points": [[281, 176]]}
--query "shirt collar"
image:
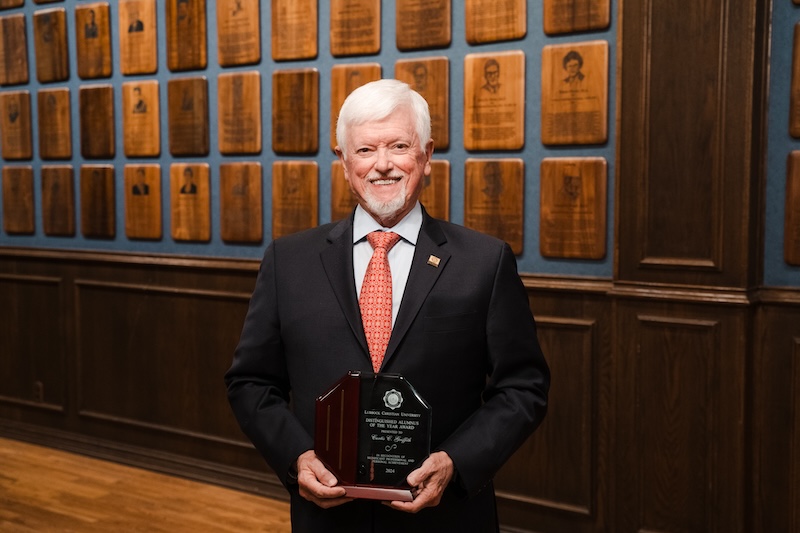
{"points": [[408, 228]]}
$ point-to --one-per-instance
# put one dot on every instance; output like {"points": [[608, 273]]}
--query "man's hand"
{"points": [[317, 484], [428, 483]]}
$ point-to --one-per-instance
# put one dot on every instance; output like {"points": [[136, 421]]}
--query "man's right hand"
{"points": [[317, 483]]}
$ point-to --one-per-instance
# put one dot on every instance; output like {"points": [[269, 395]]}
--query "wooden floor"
{"points": [[44, 490]]}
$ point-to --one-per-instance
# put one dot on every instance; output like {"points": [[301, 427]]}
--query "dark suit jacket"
{"points": [[464, 337]]}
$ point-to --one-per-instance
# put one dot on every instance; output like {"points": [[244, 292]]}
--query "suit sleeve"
{"points": [[515, 397], [258, 381]]}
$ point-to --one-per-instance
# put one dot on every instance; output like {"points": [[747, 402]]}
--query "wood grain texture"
{"points": [[143, 202], [294, 29], [138, 37], [495, 20], [423, 24], [238, 32], [355, 27], [239, 112], [430, 77], [295, 111], [7, 4], [190, 201], [98, 206], [188, 116], [141, 118], [794, 94], [241, 202], [50, 44], [15, 125], [344, 80], [13, 50], [791, 225], [568, 16], [295, 197], [58, 200], [435, 194], [343, 201], [55, 124], [187, 48], [97, 121], [93, 37], [18, 204], [494, 191]]}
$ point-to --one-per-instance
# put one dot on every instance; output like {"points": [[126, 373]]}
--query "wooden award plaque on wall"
{"points": [[7, 4], [791, 226], [494, 194], [295, 111], [344, 80], [50, 45], [355, 27], [94, 40], [794, 92], [490, 21], [13, 50], [55, 124], [97, 121], [494, 101], [186, 35], [435, 194], [575, 93], [98, 210], [58, 200], [138, 50], [18, 200], [15, 125], [342, 199], [190, 200], [295, 197], [143, 201], [239, 112], [569, 16], [573, 208], [430, 77], [188, 116], [423, 24], [294, 29], [241, 204], [238, 32], [140, 118]]}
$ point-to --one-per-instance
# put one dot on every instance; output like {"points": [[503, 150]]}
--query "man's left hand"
{"points": [[428, 483]]}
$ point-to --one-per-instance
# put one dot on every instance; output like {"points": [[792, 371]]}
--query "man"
{"points": [[462, 335], [491, 73], [573, 63]]}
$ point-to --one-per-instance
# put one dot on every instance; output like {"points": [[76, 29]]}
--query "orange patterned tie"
{"points": [[376, 296]]}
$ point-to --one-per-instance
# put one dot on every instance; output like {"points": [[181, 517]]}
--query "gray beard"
{"points": [[385, 210]]}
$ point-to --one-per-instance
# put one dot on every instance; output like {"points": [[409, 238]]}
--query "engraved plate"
{"points": [[241, 218], [436, 190], [343, 201], [791, 227], [186, 34], [421, 24], [55, 124], [295, 111], [295, 197], [143, 201], [138, 40], [494, 101], [294, 29], [50, 45], [188, 116], [573, 208], [794, 94], [567, 16], [355, 27], [6, 4], [13, 50], [238, 32], [190, 200], [495, 20], [430, 77], [344, 80], [239, 108], [97, 201], [94, 40], [18, 200], [140, 118], [16, 125], [97, 121], [58, 200], [575, 93], [494, 199]]}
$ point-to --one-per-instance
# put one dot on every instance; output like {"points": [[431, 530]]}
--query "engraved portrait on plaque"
{"points": [[50, 45], [239, 112], [188, 116], [344, 80], [294, 29], [93, 40], [295, 111], [430, 77], [15, 125], [55, 128], [295, 197], [435, 194], [238, 32], [190, 201], [13, 50], [141, 118], [241, 218], [137, 37], [186, 35], [143, 201], [494, 199]]}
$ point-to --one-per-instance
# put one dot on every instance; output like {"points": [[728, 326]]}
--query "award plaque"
{"points": [[575, 93], [791, 227], [94, 40], [18, 200], [6, 4], [294, 29], [421, 24], [143, 201], [371, 431], [568, 16], [355, 27], [138, 52], [13, 50], [295, 111], [140, 118], [573, 207], [190, 200], [295, 197], [343, 201], [430, 77], [239, 112], [238, 32], [344, 80], [50, 44], [188, 116], [97, 121], [794, 91], [494, 199], [58, 200], [494, 101], [489, 21], [15, 125], [55, 124], [97, 201], [435, 194], [241, 218], [186, 34]]}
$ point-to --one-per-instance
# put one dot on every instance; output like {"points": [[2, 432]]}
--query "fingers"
{"points": [[428, 483], [317, 484]]}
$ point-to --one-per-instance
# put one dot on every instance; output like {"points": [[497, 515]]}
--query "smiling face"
{"points": [[385, 164]]}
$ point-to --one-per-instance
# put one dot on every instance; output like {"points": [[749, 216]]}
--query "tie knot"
{"points": [[383, 239]]}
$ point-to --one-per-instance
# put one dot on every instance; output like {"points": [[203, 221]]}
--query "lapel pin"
{"points": [[434, 261]]}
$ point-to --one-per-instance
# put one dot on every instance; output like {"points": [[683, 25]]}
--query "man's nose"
{"points": [[384, 160]]}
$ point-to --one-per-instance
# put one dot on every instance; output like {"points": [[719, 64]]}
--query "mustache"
{"points": [[375, 176]]}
